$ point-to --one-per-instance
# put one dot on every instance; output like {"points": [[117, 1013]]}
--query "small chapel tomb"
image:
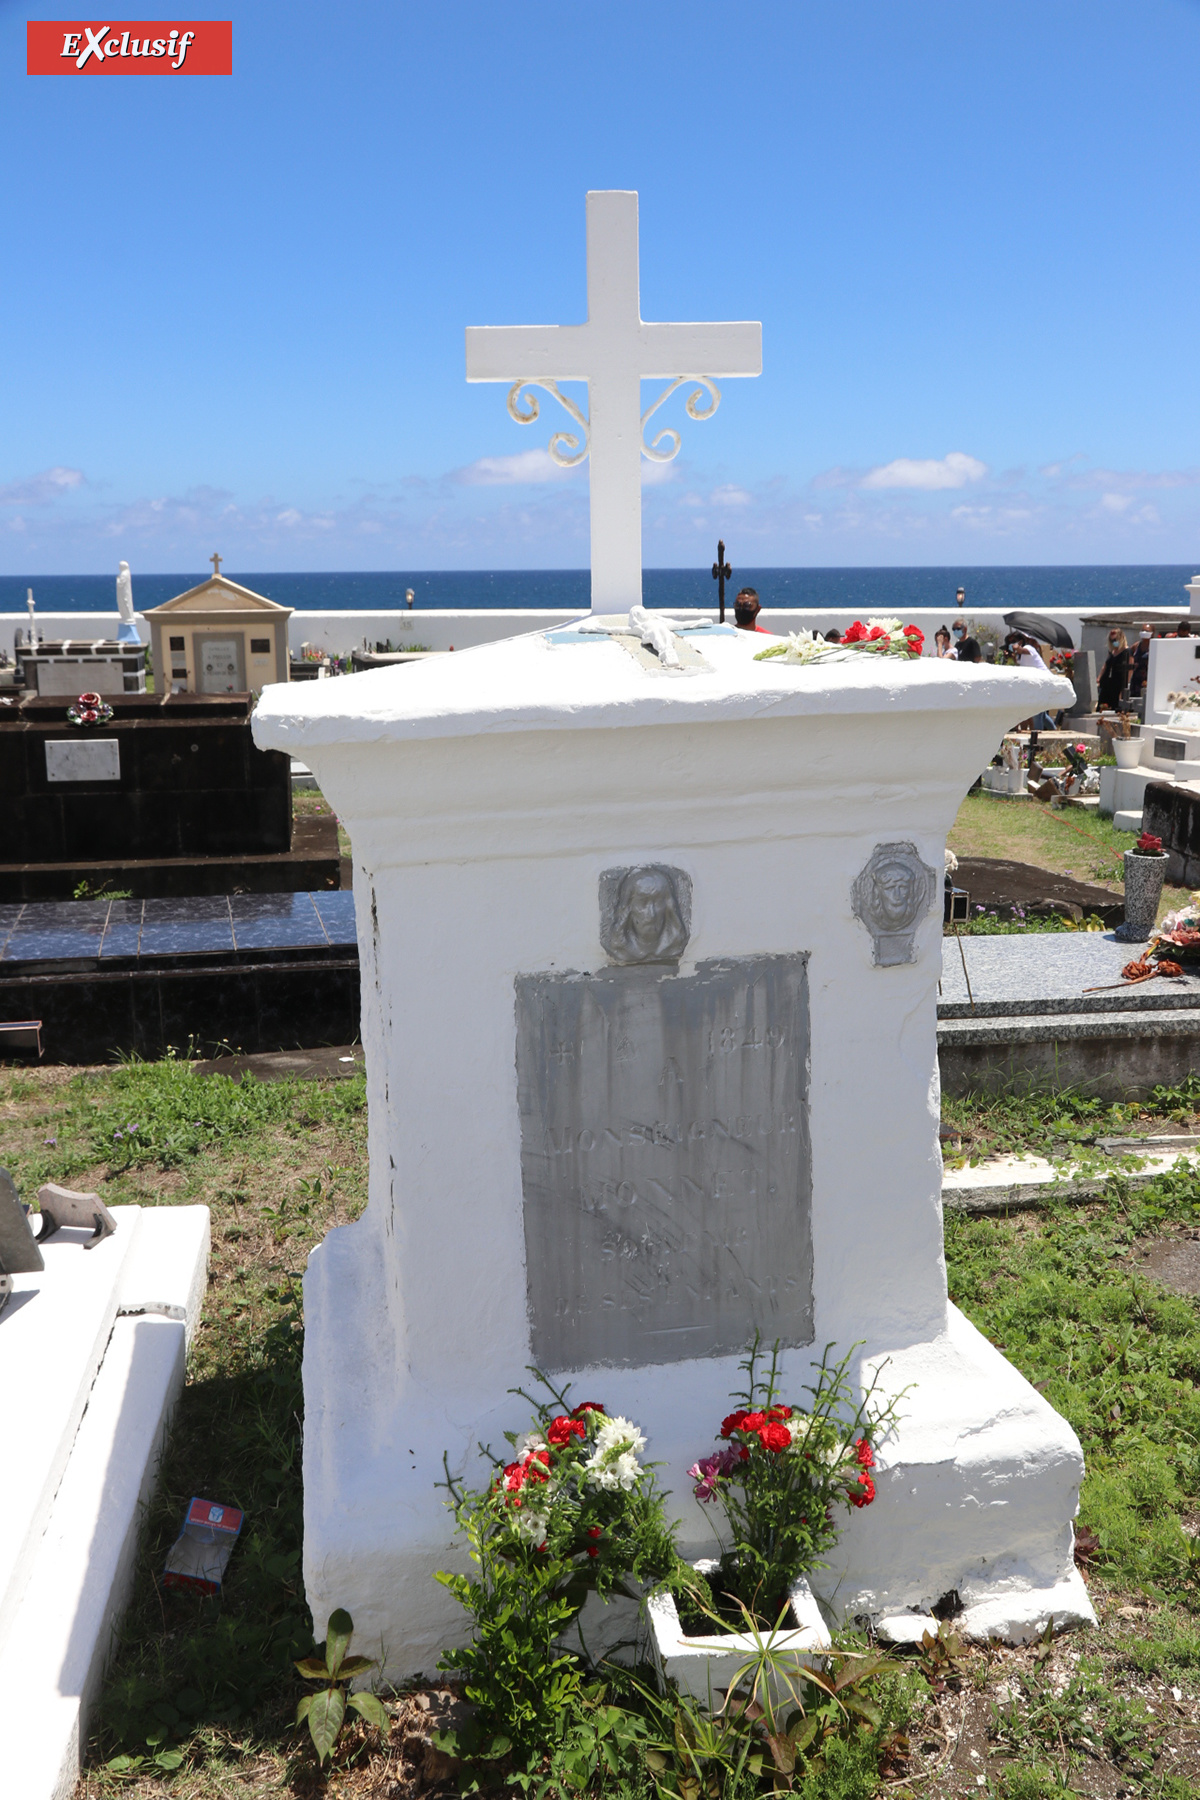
{"points": [[218, 638]]}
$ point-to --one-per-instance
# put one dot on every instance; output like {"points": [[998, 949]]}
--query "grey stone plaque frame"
{"points": [[665, 1161]]}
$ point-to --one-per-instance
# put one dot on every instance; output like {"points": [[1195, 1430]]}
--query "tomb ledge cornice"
{"points": [[524, 685]]}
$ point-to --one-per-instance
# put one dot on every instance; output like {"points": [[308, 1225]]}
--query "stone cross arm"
{"points": [[568, 352]]}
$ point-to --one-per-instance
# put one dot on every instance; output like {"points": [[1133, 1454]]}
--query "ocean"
{"points": [[1069, 588]]}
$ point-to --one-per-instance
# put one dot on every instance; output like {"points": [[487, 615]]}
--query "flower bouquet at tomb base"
{"points": [[878, 637], [574, 1521]]}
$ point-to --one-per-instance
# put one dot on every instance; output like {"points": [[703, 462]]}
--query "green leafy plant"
{"points": [[325, 1711], [573, 1512], [785, 1473]]}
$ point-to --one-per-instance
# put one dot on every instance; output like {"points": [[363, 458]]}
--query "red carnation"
{"points": [[875, 632], [855, 633], [586, 1406], [595, 1531], [863, 1452], [752, 1421], [865, 1493], [734, 1422], [560, 1431], [773, 1436], [780, 1412], [514, 1475]]}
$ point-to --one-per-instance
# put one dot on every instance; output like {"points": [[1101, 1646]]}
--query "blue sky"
{"points": [[232, 309]]}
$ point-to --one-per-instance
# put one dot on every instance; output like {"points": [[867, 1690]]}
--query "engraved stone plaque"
{"points": [[83, 759], [665, 1161]]}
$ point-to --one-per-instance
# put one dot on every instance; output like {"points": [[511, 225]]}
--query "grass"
{"points": [[1066, 840]]}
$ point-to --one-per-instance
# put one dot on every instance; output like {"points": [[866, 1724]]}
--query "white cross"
{"points": [[614, 352]]}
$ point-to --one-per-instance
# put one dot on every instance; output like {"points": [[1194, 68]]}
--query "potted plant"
{"points": [[1145, 871], [785, 1479], [1126, 748]]}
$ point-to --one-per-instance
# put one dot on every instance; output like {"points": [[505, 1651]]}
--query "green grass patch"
{"points": [[1115, 1354]]}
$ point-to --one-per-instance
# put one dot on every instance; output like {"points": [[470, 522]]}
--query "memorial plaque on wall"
{"points": [[665, 1160]]}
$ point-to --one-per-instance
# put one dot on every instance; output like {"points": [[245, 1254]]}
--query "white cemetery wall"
{"points": [[440, 628], [487, 800]]}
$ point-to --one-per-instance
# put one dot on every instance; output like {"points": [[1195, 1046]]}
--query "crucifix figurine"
{"points": [[721, 574], [215, 560], [614, 352]]}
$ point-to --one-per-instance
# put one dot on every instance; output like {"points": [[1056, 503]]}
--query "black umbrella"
{"points": [[1037, 625]]}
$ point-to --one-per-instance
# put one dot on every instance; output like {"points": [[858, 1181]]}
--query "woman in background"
{"points": [[941, 639], [1114, 676]]}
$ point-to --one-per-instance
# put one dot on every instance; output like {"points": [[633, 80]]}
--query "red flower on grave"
{"points": [[854, 633], [586, 1406], [865, 1492], [537, 1465], [88, 715], [752, 1421], [875, 632], [779, 1412], [733, 1422], [774, 1436], [595, 1531], [915, 639], [862, 1451], [88, 700], [560, 1431]]}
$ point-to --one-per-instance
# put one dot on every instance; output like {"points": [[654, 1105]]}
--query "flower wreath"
{"points": [[89, 709]]}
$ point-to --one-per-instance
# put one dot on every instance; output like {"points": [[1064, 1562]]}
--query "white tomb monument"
{"points": [[664, 1073]]}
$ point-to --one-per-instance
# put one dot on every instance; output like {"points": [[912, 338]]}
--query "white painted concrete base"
{"points": [[85, 1487], [975, 1492], [705, 1666]]}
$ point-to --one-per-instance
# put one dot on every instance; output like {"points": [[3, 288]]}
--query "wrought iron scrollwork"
{"points": [[695, 410], [561, 441]]}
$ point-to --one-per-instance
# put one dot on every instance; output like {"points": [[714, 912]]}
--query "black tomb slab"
{"points": [[665, 1161], [171, 796], [247, 973]]}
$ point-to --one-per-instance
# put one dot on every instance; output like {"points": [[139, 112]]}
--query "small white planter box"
{"points": [[704, 1665]]}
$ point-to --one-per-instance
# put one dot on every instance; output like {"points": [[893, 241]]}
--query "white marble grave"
{"points": [[772, 1161], [92, 1356]]}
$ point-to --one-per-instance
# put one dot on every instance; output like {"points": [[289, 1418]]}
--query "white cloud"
{"points": [[36, 490], [524, 468], [1115, 503], [729, 495], [656, 474], [953, 471]]}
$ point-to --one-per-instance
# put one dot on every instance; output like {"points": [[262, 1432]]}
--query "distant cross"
{"points": [[721, 574], [215, 560], [614, 352]]}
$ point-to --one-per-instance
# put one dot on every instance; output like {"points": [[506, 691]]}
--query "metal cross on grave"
{"points": [[215, 560], [614, 352]]}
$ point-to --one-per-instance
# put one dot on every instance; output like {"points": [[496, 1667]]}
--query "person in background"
{"points": [[1026, 655], [833, 635], [1184, 630], [1114, 676], [746, 609], [1140, 663], [941, 640], [959, 632], [968, 651]]}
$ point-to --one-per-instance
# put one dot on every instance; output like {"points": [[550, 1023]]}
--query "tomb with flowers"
{"points": [[664, 1074]]}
